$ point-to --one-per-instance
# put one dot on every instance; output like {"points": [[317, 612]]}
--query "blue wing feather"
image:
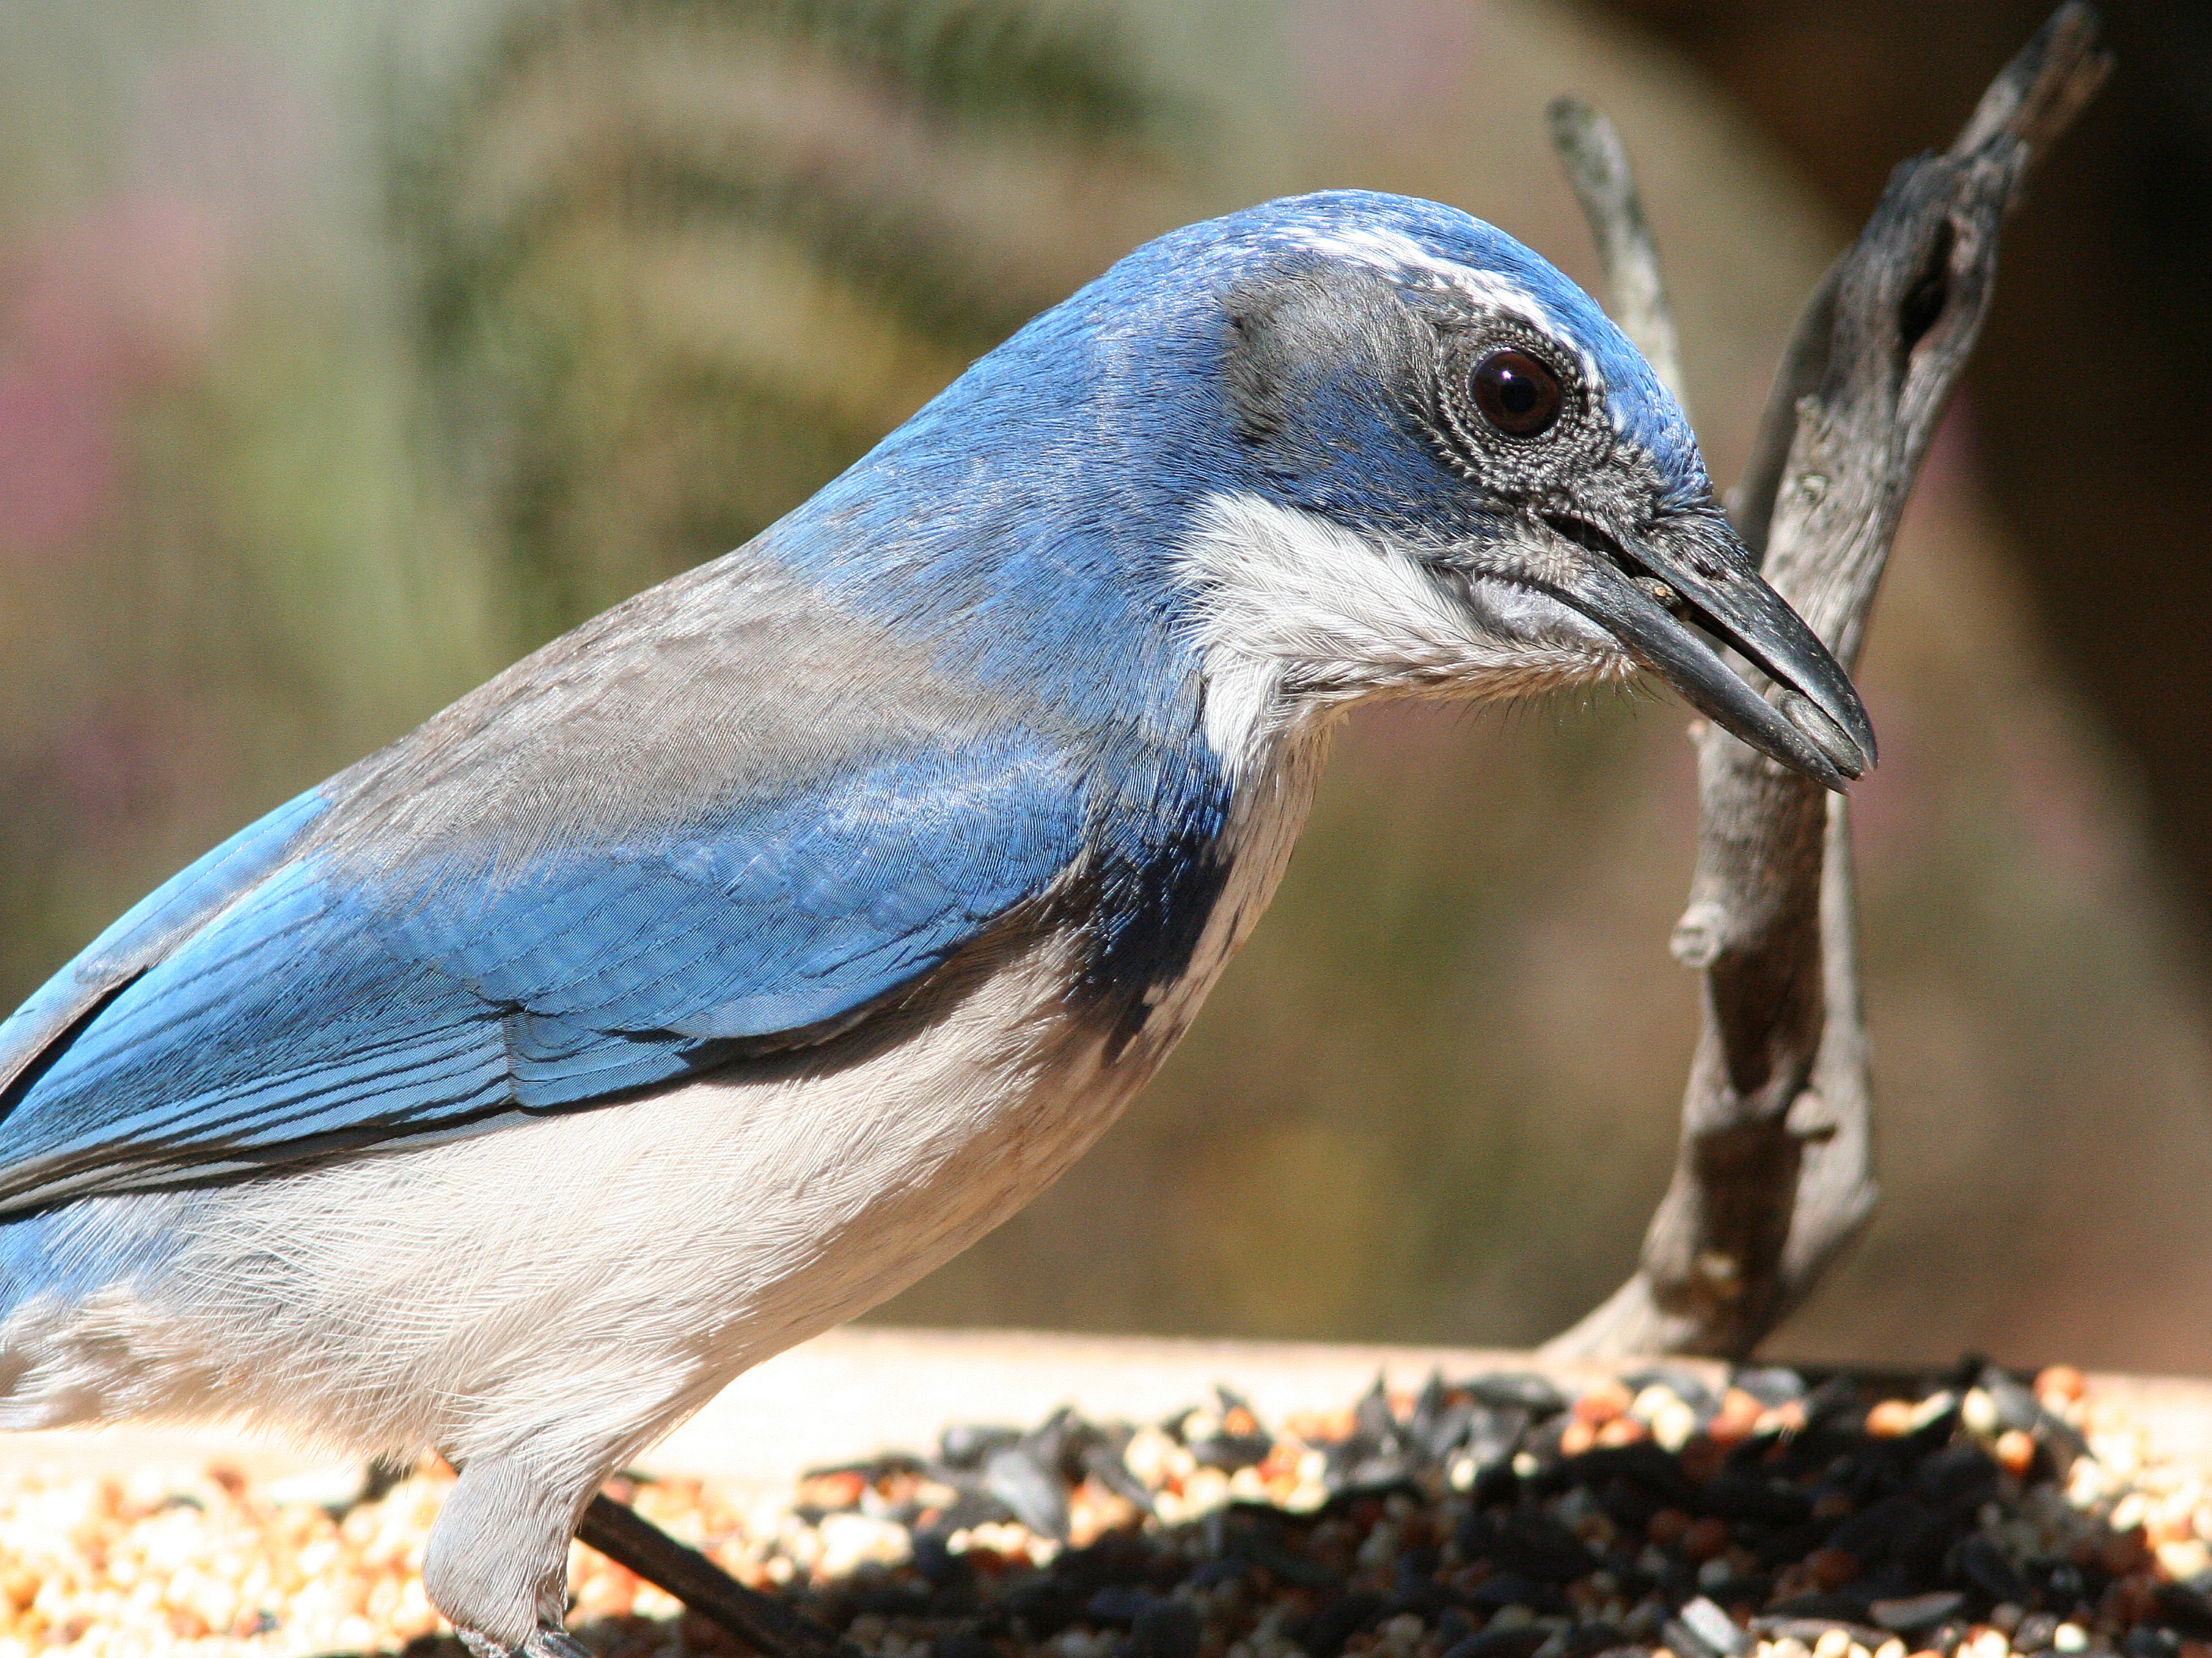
{"points": [[144, 932], [280, 1001]]}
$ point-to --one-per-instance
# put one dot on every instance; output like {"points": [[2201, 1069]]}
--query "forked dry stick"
{"points": [[1775, 1174], [1597, 166]]}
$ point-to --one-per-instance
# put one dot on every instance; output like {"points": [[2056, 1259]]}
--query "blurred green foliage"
{"points": [[673, 275]]}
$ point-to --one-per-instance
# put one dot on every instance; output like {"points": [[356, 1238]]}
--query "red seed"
{"points": [[1602, 1403], [2016, 1451], [1704, 1540], [1666, 1527], [1832, 1568], [841, 1490], [1891, 1419], [1738, 1415], [2062, 1379]]}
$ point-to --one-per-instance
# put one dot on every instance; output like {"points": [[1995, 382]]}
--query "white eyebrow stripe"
{"points": [[1399, 255]]}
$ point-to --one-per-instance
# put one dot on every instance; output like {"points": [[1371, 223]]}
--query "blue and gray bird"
{"points": [[734, 959]]}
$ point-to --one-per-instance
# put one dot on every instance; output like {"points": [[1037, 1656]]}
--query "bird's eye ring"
{"points": [[1516, 394]]}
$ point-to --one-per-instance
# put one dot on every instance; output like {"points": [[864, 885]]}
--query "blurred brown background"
{"points": [[346, 352]]}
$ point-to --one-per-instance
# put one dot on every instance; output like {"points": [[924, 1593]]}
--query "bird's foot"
{"points": [[555, 1643], [546, 1642]]}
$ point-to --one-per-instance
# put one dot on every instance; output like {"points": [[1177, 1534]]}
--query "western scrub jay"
{"points": [[733, 961]]}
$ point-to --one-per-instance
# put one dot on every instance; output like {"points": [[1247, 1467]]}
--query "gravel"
{"points": [[1975, 1515]]}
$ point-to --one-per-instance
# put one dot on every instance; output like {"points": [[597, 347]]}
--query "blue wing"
{"points": [[273, 1000], [142, 935]]}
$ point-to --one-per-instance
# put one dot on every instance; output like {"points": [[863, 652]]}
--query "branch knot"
{"points": [[1699, 936]]}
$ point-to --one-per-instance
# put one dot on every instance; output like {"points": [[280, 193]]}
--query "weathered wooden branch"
{"points": [[1597, 167], [762, 1621], [1775, 1175]]}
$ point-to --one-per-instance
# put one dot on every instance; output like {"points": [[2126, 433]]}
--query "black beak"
{"points": [[1691, 572]]}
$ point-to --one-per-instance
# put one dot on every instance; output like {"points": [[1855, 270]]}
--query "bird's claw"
{"points": [[546, 1642], [555, 1643]]}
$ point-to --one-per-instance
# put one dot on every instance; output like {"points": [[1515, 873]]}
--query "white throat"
{"points": [[1301, 616]]}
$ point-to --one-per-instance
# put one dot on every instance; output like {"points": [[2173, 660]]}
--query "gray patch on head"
{"points": [[1318, 348], [1296, 338]]}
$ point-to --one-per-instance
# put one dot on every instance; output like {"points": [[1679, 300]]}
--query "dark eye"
{"points": [[1516, 394]]}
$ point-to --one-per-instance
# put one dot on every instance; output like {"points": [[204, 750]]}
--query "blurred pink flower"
{"points": [[95, 309], [97, 306]]}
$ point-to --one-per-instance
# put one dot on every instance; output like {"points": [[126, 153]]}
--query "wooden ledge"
{"points": [[866, 1389]]}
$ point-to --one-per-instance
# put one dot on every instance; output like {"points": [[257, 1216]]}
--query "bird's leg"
{"points": [[544, 1643], [497, 1563], [555, 1642], [497, 1566]]}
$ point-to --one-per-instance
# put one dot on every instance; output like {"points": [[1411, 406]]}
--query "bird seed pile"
{"points": [[1975, 1516]]}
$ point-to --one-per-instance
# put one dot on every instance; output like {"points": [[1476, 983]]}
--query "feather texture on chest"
{"points": [[1245, 863]]}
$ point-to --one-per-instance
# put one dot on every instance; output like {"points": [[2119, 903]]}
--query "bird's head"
{"points": [[1413, 456]]}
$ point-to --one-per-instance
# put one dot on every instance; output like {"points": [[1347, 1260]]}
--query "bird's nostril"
{"points": [[1586, 535], [1589, 536]]}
